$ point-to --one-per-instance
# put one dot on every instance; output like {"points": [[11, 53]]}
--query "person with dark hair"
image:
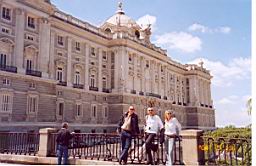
{"points": [[62, 140], [128, 126]]}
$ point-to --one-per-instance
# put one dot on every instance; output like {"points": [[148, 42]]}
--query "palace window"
{"points": [[3, 60], [78, 48], [31, 22], [60, 109], [94, 111], [92, 80], [78, 110], [77, 77], [6, 102], [93, 51], [32, 85], [105, 112], [6, 13], [29, 37], [59, 74], [6, 30], [32, 104], [60, 40], [104, 82], [104, 55], [29, 64], [6, 82]]}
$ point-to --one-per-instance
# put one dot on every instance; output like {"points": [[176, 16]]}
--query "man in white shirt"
{"points": [[153, 126]]}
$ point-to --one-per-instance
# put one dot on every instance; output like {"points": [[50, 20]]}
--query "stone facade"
{"points": [[55, 68]]}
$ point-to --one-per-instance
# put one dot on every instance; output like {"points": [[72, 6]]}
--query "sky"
{"points": [[218, 32]]}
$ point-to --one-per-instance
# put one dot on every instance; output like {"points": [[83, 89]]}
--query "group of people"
{"points": [[128, 127]]}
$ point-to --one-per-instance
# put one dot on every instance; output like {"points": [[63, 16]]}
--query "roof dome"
{"points": [[120, 19]]}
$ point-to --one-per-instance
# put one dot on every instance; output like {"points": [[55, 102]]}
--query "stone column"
{"points": [[159, 80], [135, 73], [19, 40], [143, 86], [69, 63], [124, 62], [86, 68], [116, 71], [51, 69], [191, 139], [100, 70], [45, 148], [166, 81], [44, 50]]}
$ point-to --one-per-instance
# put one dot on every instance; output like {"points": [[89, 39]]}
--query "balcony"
{"points": [[202, 105], [7, 68], [174, 102], [106, 90], [78, 86], [179, 103], [184, 104], [93, 88], [210, 106], [165, 97], [34, 73], [141, 93], [153, 95], [61, 83], [133, 91]]}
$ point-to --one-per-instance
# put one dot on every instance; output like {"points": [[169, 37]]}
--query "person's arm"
{"points": [[120, 123], [137, 129], [58, 138], [160, 123], [178, 125]]}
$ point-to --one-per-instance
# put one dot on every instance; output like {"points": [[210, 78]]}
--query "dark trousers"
{"points": [[62, 151], [149, 138], [126, 139]]}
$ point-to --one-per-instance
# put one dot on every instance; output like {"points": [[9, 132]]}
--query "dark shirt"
{"points": [[134, 123], [63, 137]]}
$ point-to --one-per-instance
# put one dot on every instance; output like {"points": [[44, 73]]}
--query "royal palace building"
{"points": [[55, 68]]}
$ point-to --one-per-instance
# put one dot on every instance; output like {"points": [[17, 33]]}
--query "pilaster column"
{"points": [[86, 68], [117, 71], [166, 81], [152, 78], [159, 80], [51, 58], [135, 73], [100, 70], [19, 40], [44, 50], [142, 67], [69, 63]]}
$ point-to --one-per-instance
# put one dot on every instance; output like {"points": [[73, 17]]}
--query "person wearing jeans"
{"points": [[128, 127], [62, 140], [153, 126], [172, 129]]}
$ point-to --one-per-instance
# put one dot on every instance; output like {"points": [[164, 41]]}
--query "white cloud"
{"points": [[205, 29], [232, 110], [224, 75], [181, 41], [147, 19]]}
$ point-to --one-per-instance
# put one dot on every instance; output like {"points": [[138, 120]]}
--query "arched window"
{"points": [[137, 34], [108, 30]]}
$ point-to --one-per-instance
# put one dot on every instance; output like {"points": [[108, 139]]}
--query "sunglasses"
{"points": [[131, 108], [150, 110]]}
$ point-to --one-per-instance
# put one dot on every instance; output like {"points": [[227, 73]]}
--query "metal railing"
{"points": [[7, 68], [34, 73], [226, 151], [107, 147], [19, 143]]}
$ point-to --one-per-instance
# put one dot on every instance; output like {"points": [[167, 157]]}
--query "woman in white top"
{"points": [[172, 129], [153, 126]]}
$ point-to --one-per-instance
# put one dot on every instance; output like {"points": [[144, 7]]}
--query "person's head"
{"points": [[151, 111], [131, 110], [65, 125], [169, 114]]}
